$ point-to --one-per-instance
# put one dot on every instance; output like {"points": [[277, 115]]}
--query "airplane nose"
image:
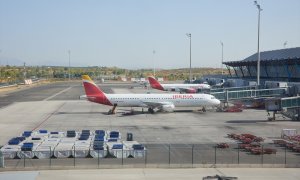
{"points": [[217, 102]]}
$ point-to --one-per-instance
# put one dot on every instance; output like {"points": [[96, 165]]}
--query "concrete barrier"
{"points": [[13, 85]]}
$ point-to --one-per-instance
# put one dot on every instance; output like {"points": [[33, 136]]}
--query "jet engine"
{"points": [[173, 89], [83, 97], [191, 90], [168, 108]]}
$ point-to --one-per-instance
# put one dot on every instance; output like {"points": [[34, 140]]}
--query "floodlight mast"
{"points": [[153, 62], [189, 35], [284, 44], [69, 52], [0, 67], [258, 34], [222, 56]]}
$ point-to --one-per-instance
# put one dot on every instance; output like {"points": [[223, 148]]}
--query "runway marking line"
{"points": [[48, 117], [60, 92]]}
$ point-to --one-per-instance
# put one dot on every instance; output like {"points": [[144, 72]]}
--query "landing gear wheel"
{"points": [[113, 110], [150, 110], [203, 109]]}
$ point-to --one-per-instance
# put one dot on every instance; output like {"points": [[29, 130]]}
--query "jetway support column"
{"points": [[226, 98], [1, 160]]}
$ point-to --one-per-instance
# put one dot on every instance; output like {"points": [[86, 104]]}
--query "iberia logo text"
{"points": [[182, 96]]}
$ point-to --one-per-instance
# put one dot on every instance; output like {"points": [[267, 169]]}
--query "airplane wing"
{"points": [[188, 90], [156, 104]]}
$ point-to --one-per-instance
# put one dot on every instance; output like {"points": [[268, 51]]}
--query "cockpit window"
{"points": [[213, 97]]}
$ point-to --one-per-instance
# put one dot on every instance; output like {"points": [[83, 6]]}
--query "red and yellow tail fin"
{"points": [[87, 78], [91, 89], [154, 83], [93, 92]]}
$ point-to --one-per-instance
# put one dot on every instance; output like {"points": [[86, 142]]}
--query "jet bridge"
{"points": [[215, 90], [288, 107], [227, 95]]}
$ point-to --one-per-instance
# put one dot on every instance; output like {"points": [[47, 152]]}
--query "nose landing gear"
{"points": [[151, 110]]}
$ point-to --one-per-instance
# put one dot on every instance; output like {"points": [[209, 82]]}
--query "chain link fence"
{"points": [[170, 155]]}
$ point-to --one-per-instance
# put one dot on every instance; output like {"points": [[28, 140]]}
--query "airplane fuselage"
{"points": [[170, 87], [178, 100], [187, 88]]}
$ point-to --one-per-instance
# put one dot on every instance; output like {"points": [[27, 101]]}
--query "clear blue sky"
{"points": [[124, 33]]}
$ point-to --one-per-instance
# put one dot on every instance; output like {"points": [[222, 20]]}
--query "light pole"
{"points": [[190, 36], [222, 56], [258, 52], [284, 44], [0, 69], [153, 62], [69, 52], [24, 71]]}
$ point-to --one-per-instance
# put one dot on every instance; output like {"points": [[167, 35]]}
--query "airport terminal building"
{"points": [[276, 65]]}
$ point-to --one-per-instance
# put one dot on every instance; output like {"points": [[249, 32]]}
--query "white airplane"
{"points": [[164, 102], [187, 88]]}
